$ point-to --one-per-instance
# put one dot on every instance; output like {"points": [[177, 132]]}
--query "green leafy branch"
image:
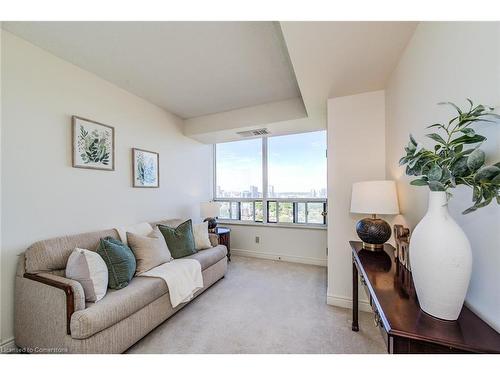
{"points": [[93, 147], [450, 164]]}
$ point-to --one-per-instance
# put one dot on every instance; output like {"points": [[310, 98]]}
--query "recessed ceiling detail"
{"points": [[332, 59], [189, 68]]}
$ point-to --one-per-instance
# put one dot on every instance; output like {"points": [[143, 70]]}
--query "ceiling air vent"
{"points": [[254, 133]]}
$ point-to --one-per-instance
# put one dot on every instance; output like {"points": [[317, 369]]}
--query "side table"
{"points": [[224, 235]]}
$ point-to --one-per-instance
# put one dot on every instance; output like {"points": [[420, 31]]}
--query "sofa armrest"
{"points": [[214, 239], [75, 297]]}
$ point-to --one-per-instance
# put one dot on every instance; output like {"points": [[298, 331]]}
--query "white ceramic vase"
{"points": [[441, 260]]}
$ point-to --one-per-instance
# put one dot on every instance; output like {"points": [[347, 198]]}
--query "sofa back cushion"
{"points": [[52, 254], [142, 229], [168, 222]]}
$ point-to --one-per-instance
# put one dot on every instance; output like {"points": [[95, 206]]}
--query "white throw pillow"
{"points": [[88, 268], [201, 239], [142, 229]]}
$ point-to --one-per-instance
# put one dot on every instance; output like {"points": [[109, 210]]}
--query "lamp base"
{"points": [[374, 233], [373, 247], [212, 223]]}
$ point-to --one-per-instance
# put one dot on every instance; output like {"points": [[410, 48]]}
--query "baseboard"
{"points": [[7, 346], [347, 303], [276, 256]]}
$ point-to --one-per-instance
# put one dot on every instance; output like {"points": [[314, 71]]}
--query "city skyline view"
{"points": [[254, 192], [296, 167]]}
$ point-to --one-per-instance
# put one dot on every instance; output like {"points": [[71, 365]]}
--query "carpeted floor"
{"points": [[264, 306]]}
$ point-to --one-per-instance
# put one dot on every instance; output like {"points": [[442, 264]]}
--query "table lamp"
{"points": [[210, 211], [374, 197]]}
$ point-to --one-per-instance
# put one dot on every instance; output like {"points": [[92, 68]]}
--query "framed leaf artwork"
{"points": [[146, 168], [93, 144]]}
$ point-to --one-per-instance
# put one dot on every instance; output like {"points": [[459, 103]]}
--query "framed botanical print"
{"points": [[146, 168], [93, 144]]}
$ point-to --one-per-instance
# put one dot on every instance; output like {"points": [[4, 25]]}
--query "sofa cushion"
{"points": [[120, 261], [116, 306], [210, 256], [142, 229], [180, 240], [50, 255], [168, 222]]}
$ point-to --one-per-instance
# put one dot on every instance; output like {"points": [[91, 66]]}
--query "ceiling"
{"points": [[330, 59], [333, 59], [189, 68], [225, 77]]}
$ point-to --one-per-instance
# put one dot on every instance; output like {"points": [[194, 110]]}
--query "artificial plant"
{"points": [[452, 162]]}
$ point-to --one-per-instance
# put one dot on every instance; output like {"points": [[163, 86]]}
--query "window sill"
{"points": [[272, 225]]}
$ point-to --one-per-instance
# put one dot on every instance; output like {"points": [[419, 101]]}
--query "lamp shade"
{"points": [[209, 209], [374, 197]]}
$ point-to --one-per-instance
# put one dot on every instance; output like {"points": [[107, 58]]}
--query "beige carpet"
{"points": [[264, 306]]}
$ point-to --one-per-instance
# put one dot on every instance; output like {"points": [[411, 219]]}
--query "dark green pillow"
{"points": [[120, 261], [180, 240]]}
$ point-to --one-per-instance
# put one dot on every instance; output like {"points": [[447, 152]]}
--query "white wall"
{"points": [[356, 152], [43, 196], [1, 174], [288, 244], [450, 62]]}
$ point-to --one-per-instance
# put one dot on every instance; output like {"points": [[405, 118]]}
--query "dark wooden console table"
{"points": [[404, 326]]}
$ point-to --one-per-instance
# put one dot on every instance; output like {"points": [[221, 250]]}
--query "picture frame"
{"points": [[145, 168], [92, 144]]}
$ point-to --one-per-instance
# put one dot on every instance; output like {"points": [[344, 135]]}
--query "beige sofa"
{"points": [[51, 314]]}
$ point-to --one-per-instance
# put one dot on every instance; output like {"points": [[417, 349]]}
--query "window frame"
{"points": [[266, 200]]}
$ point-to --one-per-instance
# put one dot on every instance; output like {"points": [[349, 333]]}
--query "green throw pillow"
{"points": [[180, 240], [120, 261]]}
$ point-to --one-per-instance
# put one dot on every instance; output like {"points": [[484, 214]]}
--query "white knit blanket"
{"points": [[183, 278]]}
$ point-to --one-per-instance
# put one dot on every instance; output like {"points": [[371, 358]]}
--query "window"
{"points": [[272, 212], [297, 166], [278, 179], [301, 212], [246, 211], [239, 169], [235, 210], [259, 211], [315, 212], [225, 210]]}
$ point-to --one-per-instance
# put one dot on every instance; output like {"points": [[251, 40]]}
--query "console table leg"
{"points": [[355, 326]]}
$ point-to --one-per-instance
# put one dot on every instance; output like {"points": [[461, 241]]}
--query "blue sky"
{"points": [[296, 163]]}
